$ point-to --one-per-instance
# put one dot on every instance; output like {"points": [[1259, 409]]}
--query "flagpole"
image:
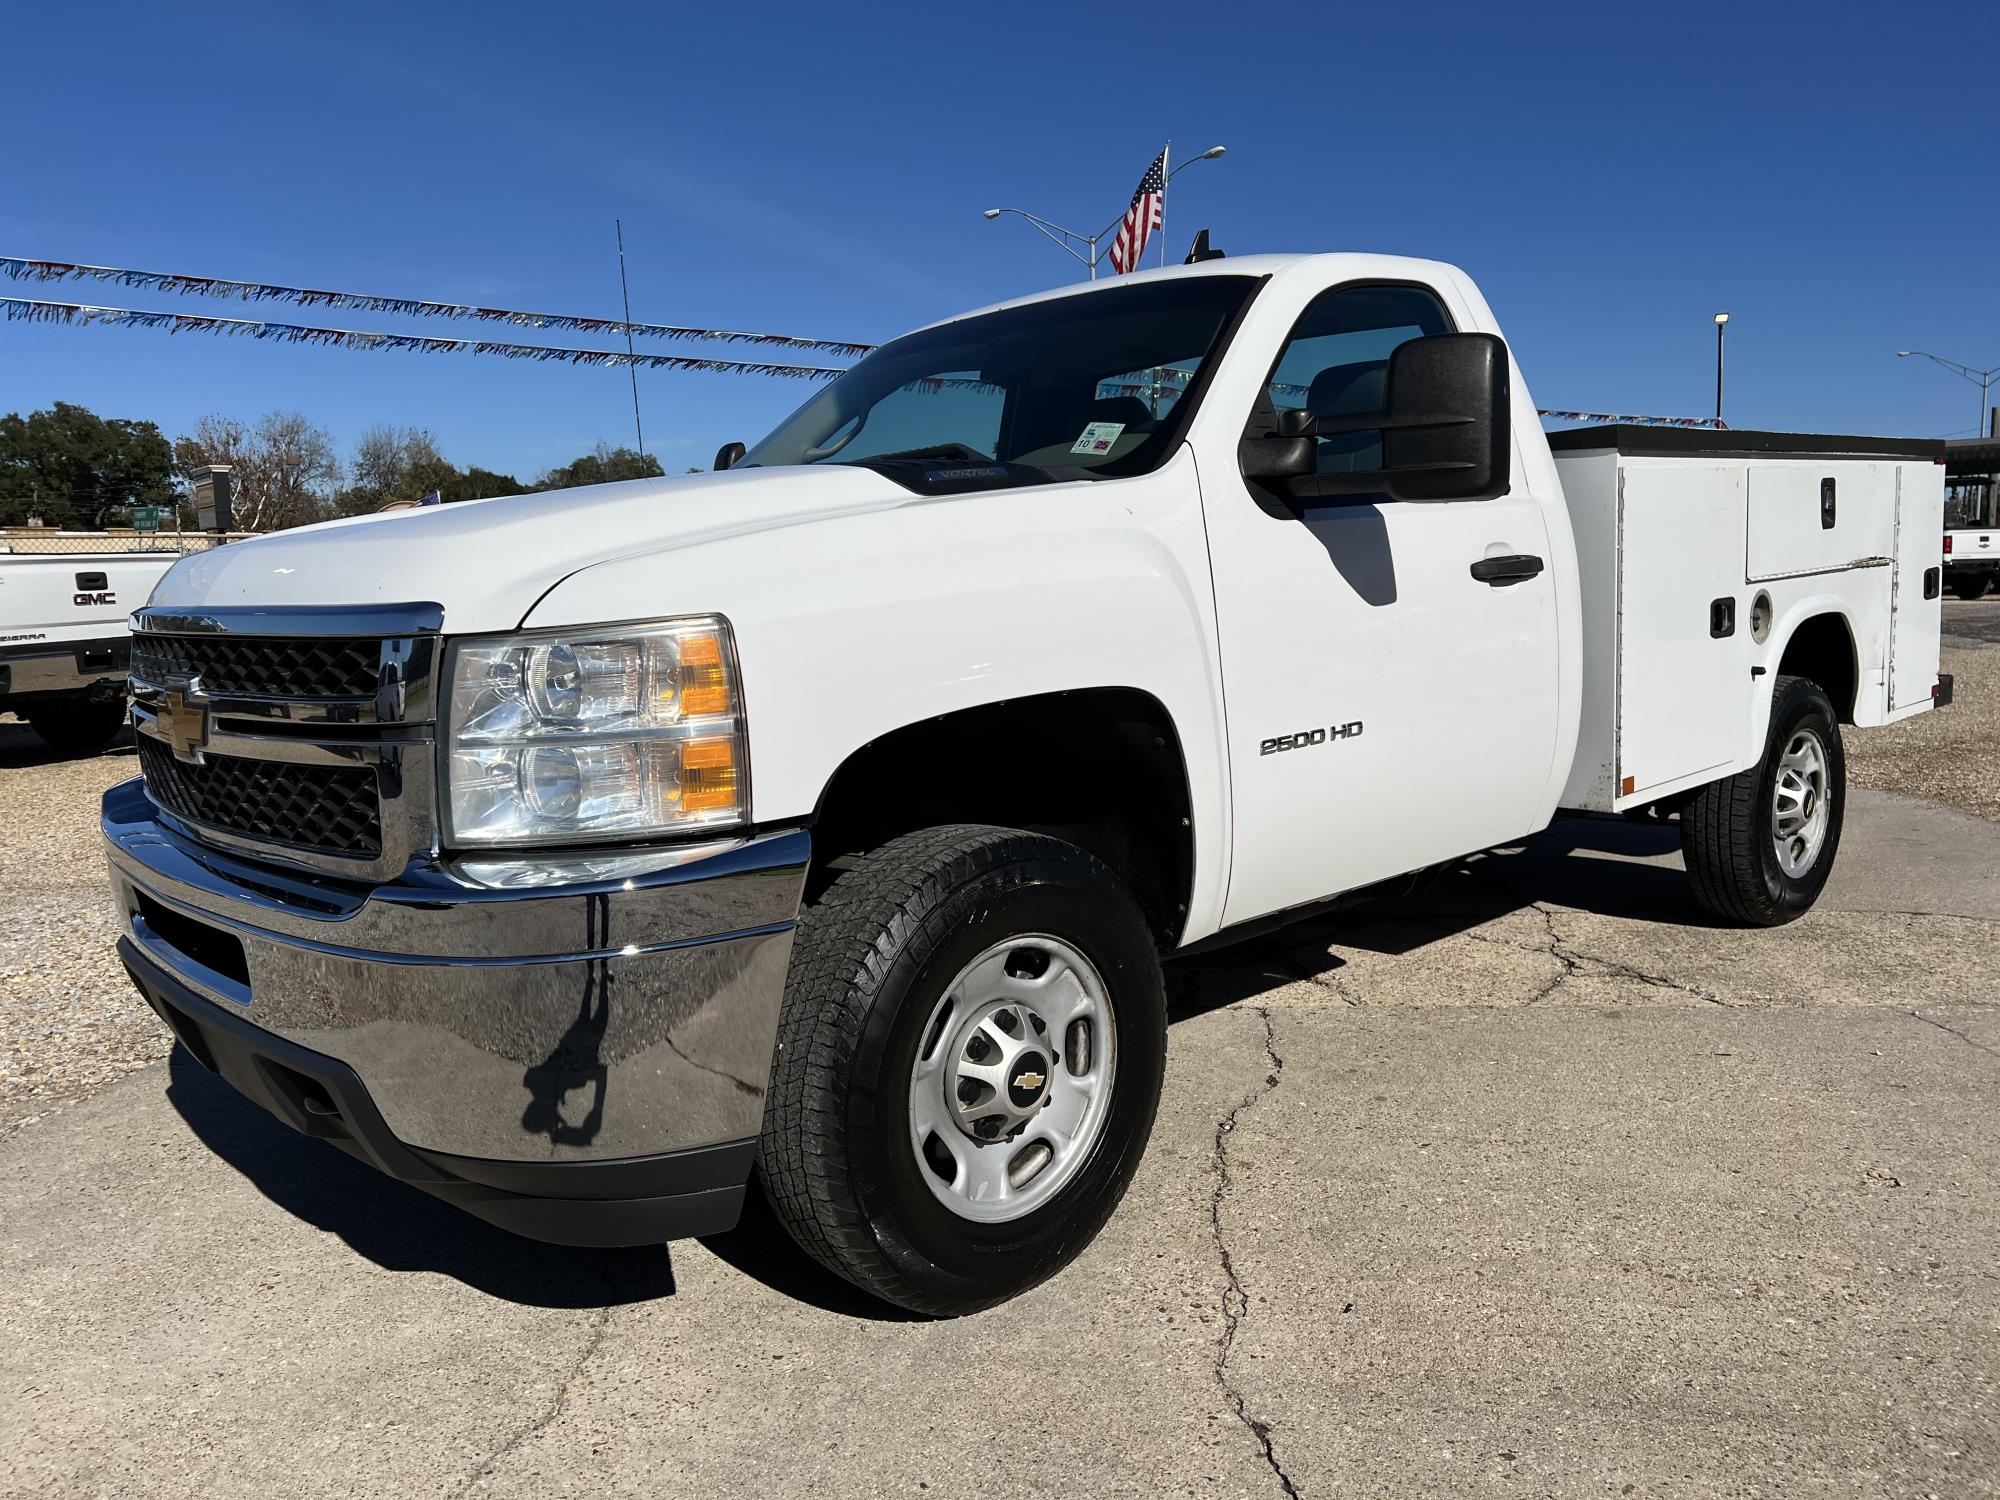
{"points": [[1165, 172]]}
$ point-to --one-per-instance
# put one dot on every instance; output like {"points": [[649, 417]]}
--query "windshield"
{"points": [[1074, 387]]}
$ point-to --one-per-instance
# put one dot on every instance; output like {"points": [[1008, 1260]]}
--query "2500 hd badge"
{"points": [[1309, 737]]}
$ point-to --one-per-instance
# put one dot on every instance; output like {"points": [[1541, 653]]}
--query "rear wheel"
{"points": [[1760, 845], [970, 1056], [1969, 587], [78, 726]]}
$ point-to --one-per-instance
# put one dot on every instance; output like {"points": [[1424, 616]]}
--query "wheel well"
{"points": [[1102, 768], [1823, 649]]}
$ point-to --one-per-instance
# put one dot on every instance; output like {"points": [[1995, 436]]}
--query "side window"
{"points": [[1336, 362]]}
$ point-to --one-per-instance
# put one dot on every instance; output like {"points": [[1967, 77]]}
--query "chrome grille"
{"points": [[331, 809], [297, 667], [304, 736]]}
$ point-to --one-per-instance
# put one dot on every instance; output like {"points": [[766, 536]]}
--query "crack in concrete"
{"points": [[555, 1408], [1574, 962], [1235, 1301], [1954, 1031], [1323, 979]]}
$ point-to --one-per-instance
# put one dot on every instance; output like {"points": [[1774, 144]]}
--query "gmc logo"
{"points": [[86, 601]]}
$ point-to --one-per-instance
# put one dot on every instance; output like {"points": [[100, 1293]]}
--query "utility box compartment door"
{"points": [[1814, 518], [1917, 622], [1682, 668]]}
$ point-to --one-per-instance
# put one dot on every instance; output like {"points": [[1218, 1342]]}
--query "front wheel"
{"points": [[1760, 845], [969, 1060]]}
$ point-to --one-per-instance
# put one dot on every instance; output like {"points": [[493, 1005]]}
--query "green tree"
{"points": [[74, 468], [480, 484], [402, 464], [606, 465]]}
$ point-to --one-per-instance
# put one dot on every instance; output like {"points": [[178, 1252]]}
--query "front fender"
{"points": [[852, 626]]}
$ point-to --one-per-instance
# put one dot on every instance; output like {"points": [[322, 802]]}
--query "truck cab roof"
{"points": [[1326, 267]]}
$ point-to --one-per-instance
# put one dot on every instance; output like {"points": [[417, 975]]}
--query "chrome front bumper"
{"points": [[596, 1021]]}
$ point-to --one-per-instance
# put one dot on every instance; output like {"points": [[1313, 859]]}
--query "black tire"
{"points": [[1969, 588], [78, 726], [872, 957], [1726, 828]]}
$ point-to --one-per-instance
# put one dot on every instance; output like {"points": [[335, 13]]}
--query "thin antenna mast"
{"points": [[625, 287]]}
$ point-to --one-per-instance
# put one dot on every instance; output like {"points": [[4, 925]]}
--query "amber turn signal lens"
{"points": [[704, 679], [708, 775]]}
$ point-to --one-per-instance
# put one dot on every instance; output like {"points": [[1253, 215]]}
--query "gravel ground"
{"points": [[70, 1020], [1951, 757]]}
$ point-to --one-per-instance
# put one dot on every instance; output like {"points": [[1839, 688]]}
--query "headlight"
{"points": [[576, 737]]}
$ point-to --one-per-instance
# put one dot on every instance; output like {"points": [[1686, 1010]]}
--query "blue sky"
{"points": [[1611, 176]]}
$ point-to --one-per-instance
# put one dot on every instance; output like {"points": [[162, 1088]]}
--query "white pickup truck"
{"points": [[64, 639], [1971, 559], [571, 856]]}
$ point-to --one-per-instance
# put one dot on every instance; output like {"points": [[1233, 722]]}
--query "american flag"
{"points": [[1142, 218]]}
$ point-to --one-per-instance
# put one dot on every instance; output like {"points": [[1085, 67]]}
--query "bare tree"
{"points": [[286, 471]]}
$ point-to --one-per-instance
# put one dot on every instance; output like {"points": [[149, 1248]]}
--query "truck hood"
{"points": [[487, 561]]}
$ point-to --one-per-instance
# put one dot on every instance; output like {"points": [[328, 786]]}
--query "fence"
{"points": [[45, 542]]}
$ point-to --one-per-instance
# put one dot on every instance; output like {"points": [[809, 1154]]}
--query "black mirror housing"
{"points": [[1448, 433], [728, 456]]}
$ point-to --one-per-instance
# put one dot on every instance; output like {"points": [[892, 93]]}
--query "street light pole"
{"points": [[1067, 240], [1209, 155], [1984, 379], [1063, 238], [1721, 322]]}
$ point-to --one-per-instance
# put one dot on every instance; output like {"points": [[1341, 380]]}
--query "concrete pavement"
{"points": [[1529, 1185]]}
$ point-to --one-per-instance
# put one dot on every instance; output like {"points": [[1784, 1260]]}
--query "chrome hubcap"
{"points": [[1800, 804], [1012, 1082]]}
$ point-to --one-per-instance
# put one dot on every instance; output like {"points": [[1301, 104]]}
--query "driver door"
{"points": [[1387, 709]]}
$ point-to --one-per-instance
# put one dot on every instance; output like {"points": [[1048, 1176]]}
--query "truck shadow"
{"points": [[1604, 866], [21, 747], [395, 1226]]}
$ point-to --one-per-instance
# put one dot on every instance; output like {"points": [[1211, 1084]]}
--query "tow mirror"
{"points": [[728, 456], [1446, 432]]}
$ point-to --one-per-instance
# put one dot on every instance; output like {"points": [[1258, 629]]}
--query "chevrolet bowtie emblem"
{"points": [[186, 726], [1029, 1080]]}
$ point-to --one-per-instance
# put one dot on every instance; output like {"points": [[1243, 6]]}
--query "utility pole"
{"points": [[632, 362]]}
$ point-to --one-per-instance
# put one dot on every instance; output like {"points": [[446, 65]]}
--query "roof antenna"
{"points": [[1199, 251]]}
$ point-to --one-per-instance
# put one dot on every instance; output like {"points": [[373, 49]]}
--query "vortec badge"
{"points": [[186, 725]]}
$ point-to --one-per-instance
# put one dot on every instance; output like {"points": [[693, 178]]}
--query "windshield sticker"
{"points": [[1097, 437]]}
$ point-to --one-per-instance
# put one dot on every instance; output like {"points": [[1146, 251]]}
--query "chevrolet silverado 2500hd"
{"points": [[569, 856], [64, 636]]}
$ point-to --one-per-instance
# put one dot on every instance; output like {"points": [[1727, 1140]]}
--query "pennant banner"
{"points": [[257, 291], [25, 310], [1625, 418], [1171, 377], [29, 310]]}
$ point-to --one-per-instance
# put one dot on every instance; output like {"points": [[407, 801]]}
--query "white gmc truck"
{"points": [[572, 857], [64, 638]]}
